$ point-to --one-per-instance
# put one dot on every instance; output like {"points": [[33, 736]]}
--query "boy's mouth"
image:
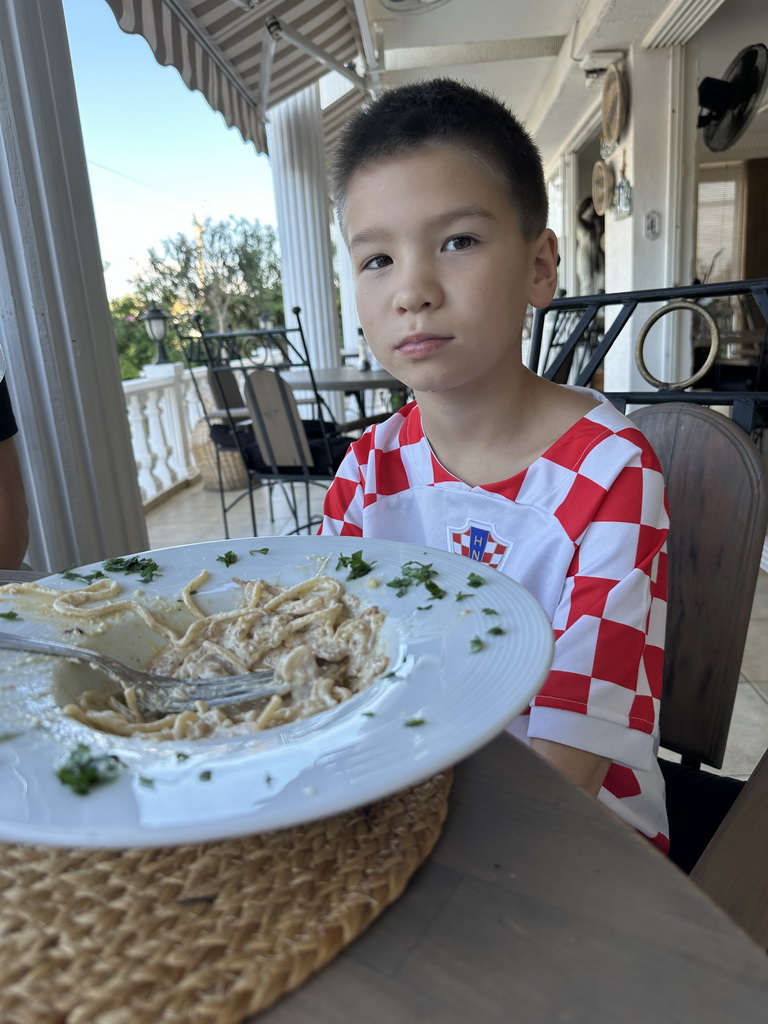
{"points": [[418, 346]]}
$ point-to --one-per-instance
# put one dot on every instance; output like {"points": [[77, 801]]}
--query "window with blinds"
{"points": [[719, 223]]}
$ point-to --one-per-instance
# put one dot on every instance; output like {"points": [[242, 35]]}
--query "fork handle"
{"points": [[9, 642]]}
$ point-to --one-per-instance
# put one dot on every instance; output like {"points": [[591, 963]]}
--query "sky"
{"points": [[157, 154]]}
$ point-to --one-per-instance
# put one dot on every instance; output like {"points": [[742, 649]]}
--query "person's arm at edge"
{"points": [[14, 515]]}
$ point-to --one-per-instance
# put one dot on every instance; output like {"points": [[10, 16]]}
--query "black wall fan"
{"points": [[729, 103]]}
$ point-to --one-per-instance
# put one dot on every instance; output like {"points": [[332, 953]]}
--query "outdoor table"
{"points": [[536, 905], [348, 379]]}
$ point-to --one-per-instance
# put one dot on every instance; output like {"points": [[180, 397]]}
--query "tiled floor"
{"points": [[195, 515]]}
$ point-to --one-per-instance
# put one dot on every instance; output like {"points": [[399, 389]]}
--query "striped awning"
{"points": [[337, 113], [224, 49]]}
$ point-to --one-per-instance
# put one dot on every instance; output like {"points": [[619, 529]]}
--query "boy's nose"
{"points": [[417, 289]]}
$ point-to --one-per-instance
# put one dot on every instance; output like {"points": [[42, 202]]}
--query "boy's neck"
{"points": [[484, 439]]}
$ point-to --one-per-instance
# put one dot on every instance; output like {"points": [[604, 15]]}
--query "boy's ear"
{"points": [[544, 269]]}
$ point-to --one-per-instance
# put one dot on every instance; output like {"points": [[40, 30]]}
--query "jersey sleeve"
{"points": [[604, 688], [343, 505]]}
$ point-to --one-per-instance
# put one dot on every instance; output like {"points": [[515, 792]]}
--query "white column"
{"points": [[54, 319], [658, 146], [299, 175], [349, 318]]}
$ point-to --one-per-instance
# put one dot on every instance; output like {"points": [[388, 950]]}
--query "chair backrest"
{"points": [[733, 869], [716, 485], [225, 388], [277, 426]]}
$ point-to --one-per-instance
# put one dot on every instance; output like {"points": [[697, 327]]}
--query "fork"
{"points": [[159, 695]]}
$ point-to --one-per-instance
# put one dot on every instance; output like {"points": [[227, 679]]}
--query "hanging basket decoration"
{"points": [[602, 187], [615, 105]]}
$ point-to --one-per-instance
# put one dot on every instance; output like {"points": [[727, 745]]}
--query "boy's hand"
{"points": [[580, 766]]}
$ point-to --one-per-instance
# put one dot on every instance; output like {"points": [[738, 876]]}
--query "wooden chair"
{"points": [[716, 485], [733, 869], [718, 497]]}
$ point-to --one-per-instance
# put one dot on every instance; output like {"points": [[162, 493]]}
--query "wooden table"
{"points": [[537, 906]]}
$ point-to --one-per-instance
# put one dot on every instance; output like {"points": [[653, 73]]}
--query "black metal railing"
{"points": [[578, 332]]}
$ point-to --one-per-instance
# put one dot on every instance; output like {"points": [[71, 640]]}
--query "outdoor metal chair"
{"points": [[290, 451], [229, 358]]}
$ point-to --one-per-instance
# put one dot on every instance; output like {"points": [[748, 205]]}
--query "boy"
{"points": [[441, 198]]}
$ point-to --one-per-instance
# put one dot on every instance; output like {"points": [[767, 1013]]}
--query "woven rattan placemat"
{"points": [[202, 934]]}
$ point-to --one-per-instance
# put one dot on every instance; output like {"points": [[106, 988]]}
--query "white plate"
{"points": [[356, 753]]}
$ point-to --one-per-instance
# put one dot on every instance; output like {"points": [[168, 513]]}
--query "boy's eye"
{"points": [[459, 242], [376, 262]]}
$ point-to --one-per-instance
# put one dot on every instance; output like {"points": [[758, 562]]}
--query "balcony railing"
{"points": [[163, 408]]}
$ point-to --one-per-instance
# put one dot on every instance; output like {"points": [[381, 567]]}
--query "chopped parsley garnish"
{"points": [[259, 551], [414, 573], [460, 596], [70, 574], [268, 779], [82, 770], [413, 722], [490, 611], [228, 558], [474, 580], [181, 756], [4, 736], [368, 714], [144, 780], [423, 607], [496, 631], [476, 645], [146, 568], [205, 776], [11, 616], [356, 564]]}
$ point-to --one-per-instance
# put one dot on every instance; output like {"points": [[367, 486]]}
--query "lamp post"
{"points": [[156, 324], [266, 321]]}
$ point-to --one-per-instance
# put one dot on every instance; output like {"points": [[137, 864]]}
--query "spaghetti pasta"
{"points": [[319, 639]]}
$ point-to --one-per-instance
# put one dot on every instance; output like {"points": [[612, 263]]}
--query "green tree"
{"points": [[229, 271]]}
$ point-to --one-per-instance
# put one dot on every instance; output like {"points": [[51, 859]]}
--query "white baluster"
{"points": [[140, 442], [158, 442]]}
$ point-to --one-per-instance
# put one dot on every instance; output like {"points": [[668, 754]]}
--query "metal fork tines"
{"points": [[159, 695]]}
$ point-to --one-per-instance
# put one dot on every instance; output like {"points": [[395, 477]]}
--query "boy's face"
{"points": [[443, 274]]}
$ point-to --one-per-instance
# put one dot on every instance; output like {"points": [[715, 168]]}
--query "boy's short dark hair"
{"points": [[444, 111]]}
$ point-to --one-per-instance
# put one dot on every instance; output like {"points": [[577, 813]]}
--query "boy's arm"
{"points": [[583, 768], [598, 708]]}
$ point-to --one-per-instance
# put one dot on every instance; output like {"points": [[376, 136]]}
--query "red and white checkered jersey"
{"points": [[584, 530]]}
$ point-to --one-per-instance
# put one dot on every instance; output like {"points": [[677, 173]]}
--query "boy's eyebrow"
{"points": [[444, 220]]}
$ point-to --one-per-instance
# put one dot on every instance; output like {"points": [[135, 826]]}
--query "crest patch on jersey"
{"points": [[477, 542]]}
